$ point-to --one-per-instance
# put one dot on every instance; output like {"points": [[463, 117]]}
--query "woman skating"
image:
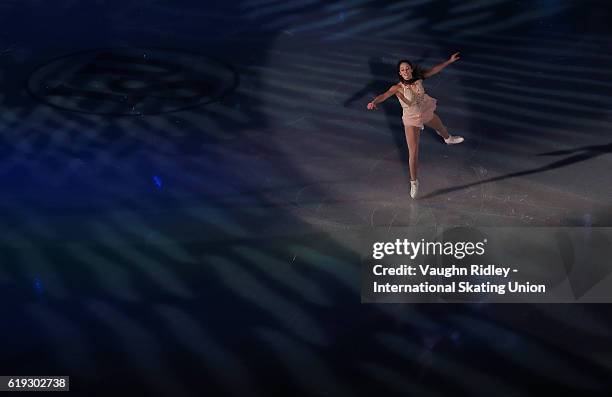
{"points": [[418, 110]]}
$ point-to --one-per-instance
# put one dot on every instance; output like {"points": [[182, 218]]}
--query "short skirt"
{"points": [[416, 116]]}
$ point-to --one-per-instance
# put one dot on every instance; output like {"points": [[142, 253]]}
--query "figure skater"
{"points": [[418, 109]]}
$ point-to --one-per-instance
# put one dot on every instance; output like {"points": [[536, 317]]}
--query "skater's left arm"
{"points": [[438, 68]]}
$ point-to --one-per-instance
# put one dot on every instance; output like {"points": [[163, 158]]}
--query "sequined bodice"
{"points": [[414, 94]]}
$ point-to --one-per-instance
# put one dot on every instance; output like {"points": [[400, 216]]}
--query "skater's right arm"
{"points": [[383, 97]]}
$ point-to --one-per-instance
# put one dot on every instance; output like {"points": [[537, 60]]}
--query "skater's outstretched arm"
{"points": [[438, 68], [383, 97]]}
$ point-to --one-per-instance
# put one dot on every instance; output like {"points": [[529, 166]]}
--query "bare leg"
{"points": [[412, 138], [437, 125]]}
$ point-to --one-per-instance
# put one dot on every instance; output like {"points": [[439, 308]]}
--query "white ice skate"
{"points": [[414, 188], [453, 139]]}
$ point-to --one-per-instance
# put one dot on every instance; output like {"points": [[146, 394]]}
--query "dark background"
{"points": [[210, 250]]}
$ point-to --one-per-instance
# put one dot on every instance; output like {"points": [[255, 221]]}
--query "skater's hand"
{"points": [[454, 57], [372, 106]]}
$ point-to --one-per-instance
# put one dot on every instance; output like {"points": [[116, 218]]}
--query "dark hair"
{"points": [[418, 73]]}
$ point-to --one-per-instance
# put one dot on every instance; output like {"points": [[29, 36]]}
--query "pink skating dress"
{"points": [[420, 107]]}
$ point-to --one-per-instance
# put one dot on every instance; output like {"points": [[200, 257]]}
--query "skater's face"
{"points": [[405, 71]]}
